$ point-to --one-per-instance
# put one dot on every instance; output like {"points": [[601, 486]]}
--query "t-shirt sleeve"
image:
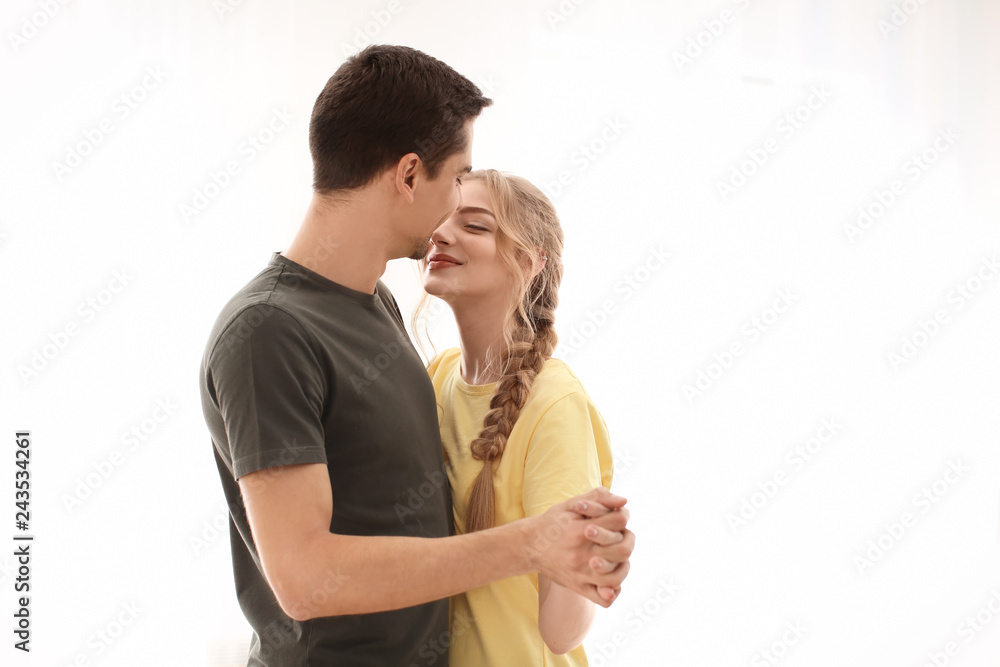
{"points": [[433, 364], [266, 380], [568, 454]]}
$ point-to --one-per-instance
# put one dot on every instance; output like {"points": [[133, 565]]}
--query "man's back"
{"points": [[299, 369]]}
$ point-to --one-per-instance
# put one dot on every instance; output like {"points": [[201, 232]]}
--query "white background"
{"points": [[673, 130]]}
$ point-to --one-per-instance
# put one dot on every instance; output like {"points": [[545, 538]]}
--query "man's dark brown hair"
{"points": [[382, 103]]}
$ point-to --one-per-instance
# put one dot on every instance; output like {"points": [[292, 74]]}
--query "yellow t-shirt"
{"points": [[559, 448]]}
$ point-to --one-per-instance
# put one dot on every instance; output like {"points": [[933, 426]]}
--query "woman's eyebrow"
{"points": [[476, 209]]}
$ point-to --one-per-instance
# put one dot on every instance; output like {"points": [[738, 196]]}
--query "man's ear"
{"points": [[405, 174]]}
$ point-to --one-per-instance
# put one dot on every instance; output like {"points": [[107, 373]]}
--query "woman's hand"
{"points": [[557, 544], [597, 506]]}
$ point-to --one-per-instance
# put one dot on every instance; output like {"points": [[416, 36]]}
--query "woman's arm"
{"points": [[564, 618], [569, 449]]}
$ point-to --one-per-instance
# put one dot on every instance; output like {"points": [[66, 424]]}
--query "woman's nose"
{"points": [[440, 236]]}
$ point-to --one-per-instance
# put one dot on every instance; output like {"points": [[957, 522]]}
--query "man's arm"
{"points": [[316, 573]]}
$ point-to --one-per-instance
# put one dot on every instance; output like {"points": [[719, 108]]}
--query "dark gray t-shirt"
{"points": [[299, 369]]}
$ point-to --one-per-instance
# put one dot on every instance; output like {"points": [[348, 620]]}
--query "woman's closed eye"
{"points": [[478, 228]]}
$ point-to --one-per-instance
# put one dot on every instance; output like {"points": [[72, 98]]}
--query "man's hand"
{"points": [[583, 545]]}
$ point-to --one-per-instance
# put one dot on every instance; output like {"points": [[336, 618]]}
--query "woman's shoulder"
{"points": [[557, 368], [556, 380], [443, 361]]}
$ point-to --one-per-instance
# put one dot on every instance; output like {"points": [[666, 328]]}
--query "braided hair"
{"points": [[530, 243]]}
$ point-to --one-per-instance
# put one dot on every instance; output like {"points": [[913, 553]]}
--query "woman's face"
{"points": [[462, 261]]}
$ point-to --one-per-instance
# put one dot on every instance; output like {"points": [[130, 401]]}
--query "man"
{"points": [[323, 417]]}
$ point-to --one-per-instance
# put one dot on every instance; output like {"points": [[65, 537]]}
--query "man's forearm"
{"points": [[348, 574]]}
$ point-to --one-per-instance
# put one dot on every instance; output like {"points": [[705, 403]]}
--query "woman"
{"points": [[519, 431]]}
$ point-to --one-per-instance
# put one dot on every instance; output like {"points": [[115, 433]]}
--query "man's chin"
{"points": [[420, 250]]}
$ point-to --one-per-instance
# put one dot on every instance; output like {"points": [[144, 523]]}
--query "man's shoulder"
{"points": [[264, 308], [383, 292]]}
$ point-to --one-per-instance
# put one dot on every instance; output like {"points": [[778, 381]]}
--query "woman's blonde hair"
{"points": [[527, 230]]}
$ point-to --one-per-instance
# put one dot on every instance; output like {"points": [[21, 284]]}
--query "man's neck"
{"points": [[345, 243]]}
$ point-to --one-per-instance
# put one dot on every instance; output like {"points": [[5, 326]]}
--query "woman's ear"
{"points": [[533, 265], [540, 260]]}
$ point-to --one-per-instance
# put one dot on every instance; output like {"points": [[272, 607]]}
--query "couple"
{"points": [[383, 512]]}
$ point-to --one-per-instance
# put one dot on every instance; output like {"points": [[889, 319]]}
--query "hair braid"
{"points": [[525, 358]]}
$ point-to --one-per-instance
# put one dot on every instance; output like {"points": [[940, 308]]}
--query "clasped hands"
{"points": [[583, 544]]}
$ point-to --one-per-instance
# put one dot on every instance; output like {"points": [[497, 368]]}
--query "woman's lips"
{"points": [[440, 264]]}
